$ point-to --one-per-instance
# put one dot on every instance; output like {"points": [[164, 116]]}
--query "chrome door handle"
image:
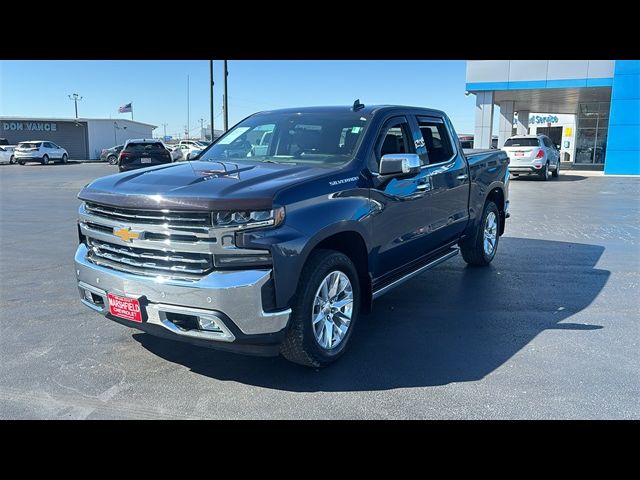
{"points": [[464, 176]]}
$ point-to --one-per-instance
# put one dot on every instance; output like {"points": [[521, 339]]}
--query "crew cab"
{"points": [[286, 229]]}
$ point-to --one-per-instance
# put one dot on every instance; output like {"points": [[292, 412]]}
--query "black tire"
{"points": [[300, 344], [65, 158], [472, 247], [556, 172], [544, 173], [12, 160], [112, 159], [45, 160], [21, 162]]}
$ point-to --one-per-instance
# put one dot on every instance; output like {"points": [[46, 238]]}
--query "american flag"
{"points": [[125, 108]]}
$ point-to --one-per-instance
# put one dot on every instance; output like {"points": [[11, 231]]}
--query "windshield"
{"points": [[318, 139], [521, 142]]}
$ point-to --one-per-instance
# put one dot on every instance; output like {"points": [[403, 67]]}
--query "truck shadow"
{"points": [[451, 324], [563, 177]]}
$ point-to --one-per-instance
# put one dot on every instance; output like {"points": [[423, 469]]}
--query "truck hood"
{"points": [[198, 186]]}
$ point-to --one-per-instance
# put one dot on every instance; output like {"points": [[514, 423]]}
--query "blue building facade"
{"points": [[604, 96]]}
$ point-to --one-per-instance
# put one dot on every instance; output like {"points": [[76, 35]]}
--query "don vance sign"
{"points": [[30, 126]]}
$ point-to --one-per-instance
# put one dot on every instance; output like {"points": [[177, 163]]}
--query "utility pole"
{"points": [[75, 97], [211, 96], [225, 101], [202, 129], [187, 128], [164, 125]]}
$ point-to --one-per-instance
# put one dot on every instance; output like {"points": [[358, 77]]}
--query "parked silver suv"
{"points": [[532, 154]]}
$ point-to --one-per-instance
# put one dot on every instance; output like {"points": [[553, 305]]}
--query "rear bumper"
{"points": [[523, 169], [232, 300]]}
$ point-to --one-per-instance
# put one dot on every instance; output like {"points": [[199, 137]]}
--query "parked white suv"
{"points": [[532, 154], [40, 151]]}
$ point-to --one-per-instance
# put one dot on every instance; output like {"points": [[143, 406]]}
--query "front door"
{"points": [[400, 226]]}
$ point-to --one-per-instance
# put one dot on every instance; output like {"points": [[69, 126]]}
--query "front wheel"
{"points": [[65, 158], [480, 248], [12, 160], [112, 159], [556, 172], [324, 311]]}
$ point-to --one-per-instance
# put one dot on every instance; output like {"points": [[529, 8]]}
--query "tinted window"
{"points": [[522, 142], [30, 145], [321, 139], [466, 144], [436, 140], [395, 138], [145, 147]]}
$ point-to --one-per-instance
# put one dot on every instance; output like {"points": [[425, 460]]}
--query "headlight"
{"points": [[249, 219]]}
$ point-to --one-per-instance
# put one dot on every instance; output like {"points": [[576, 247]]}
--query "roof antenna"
{"points": [[357, 105]]}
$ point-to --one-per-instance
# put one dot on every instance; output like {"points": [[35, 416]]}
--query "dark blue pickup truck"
{"points": [[286, 229]]}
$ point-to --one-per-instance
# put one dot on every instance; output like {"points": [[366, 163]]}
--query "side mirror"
{"points": [[399, 165]]}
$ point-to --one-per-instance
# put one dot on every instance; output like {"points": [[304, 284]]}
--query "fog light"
{"points": [[208, 323]]}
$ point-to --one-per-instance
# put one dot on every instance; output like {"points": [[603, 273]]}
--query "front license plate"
{"points": [[125, 307], [145, 160]]}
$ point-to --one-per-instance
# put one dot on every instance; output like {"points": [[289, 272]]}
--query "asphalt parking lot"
{"points": [[550, 330]]}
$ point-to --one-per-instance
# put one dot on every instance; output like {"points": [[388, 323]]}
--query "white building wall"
{"points": [[101, 134], [479, 71], [568, 124]]}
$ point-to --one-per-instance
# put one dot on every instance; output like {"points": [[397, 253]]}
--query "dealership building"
{"points": [[591, 108], [83, 138]]}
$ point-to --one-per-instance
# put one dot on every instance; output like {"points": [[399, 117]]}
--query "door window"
{"points": [[394, 138], [436, 140]]}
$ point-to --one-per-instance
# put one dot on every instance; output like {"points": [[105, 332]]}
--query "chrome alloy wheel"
{"points": [[490, 233], [332, 310]]}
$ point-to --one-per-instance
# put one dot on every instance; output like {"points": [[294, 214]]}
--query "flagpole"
{"points": [[132, 111]]}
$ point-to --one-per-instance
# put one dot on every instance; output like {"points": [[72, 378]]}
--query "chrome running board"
{"points": [[410, 275]]}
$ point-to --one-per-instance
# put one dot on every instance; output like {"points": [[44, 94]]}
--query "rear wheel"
{"points": [[556, 172], [112, 159], [45, 160], [324, 311], [544, 173], [481, 247]]}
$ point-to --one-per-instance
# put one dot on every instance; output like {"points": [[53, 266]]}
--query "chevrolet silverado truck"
{"points": [[286, 229]]}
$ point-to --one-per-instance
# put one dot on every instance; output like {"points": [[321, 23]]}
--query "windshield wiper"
{"points": [[268, 160]]}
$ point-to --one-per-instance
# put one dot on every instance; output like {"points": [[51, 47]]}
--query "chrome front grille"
{"points": [[159, 243], [149, 262], [153, 217]]}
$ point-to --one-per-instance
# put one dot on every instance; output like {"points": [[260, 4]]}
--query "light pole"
{"points": [[211, 96], [75, 97], [164, 125], [225, 101]]}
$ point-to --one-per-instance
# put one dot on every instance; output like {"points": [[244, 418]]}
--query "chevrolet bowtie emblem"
{"points": [[126, 234]]}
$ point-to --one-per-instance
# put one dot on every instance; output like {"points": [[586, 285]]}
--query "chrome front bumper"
{"points": [[234, 294]]}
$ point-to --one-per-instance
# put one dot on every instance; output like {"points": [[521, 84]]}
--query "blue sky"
{"points": [[158, 89]]}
